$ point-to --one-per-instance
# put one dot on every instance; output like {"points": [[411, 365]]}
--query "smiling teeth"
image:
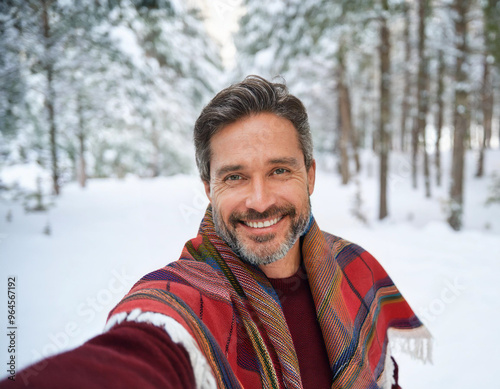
{"points": [[267, 223]]}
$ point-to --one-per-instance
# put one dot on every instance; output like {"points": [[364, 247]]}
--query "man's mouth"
{"points": [[263, 224]]}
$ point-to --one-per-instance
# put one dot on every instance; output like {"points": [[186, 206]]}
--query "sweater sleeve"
{"points": [[130, 355], [395, 385]]}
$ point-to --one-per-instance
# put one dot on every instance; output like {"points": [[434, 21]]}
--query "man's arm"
{"points": [[130, 355]]}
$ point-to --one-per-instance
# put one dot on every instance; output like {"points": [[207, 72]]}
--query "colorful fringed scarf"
{"points": [[209, 292]]}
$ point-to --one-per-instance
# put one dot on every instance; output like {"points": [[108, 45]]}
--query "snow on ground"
{"points": [[105, 237]]}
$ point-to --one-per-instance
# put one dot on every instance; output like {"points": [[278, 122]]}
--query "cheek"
{"points": [[296, 194], [224, 203]]}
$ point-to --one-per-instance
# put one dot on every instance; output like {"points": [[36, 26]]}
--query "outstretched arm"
{"points": [[130, 355]]}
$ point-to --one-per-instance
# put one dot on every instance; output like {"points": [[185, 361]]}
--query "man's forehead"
{"points": [[255, 140]]}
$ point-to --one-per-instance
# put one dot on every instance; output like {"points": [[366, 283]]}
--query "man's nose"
{"points": [[260, 195]]}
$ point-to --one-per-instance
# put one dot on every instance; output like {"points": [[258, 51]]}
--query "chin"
{"points": [[263, 256]]}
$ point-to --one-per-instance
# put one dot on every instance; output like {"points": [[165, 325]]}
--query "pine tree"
{"points": [[460, 116], [117, 85], [405, 102], [419, 133], [174, 70], [309, 42], [439, 114], [487, 95], [385, 103], [12, 84]]}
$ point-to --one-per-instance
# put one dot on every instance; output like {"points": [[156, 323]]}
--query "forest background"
{"points": [[403, 99], [107, 88], [98, 89]]}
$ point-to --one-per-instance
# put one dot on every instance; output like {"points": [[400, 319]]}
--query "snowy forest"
{"points": [[95, 89], [98, 184]]}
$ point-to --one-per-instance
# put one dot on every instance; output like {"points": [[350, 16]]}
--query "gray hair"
{"points": [[251, 96]]}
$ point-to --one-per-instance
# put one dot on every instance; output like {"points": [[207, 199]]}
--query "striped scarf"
{"points": [[358, 307]]}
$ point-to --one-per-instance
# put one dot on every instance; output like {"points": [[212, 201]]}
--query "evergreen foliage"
{"points": [[108, 88], [324, 48], [103, 89]]}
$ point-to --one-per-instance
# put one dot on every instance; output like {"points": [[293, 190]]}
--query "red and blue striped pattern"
{"points": [[356, 303]]}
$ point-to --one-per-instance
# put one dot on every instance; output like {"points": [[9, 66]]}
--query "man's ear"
{"points": [[207, 190], [311, 177]]}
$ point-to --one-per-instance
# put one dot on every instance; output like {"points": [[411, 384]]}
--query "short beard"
{"points": [[265, 256]]}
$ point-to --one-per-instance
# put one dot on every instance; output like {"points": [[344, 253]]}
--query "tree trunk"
{"points": [[468, 135], [50, 98], [82, 163], [420, 122], [385, 103], [405, 105], [439, 115], [460, 117], [345, 117], [488, 101], [414, 153], [155, 140], [374, 108], [487, 108], [365, 122], [423, 90], [354, 140]]}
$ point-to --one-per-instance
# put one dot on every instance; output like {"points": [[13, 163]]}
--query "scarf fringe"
{"points": [[417, 343], [387, 379], [202, 372]]}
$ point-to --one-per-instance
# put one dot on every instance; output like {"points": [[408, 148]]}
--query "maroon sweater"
{"points": [[139, 355], [130, 355], [300, 314]]}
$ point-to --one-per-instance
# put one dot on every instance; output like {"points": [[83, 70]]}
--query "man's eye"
{"points": [[280, 171], [233, 177]]}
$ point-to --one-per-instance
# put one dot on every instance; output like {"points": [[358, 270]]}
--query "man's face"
{"points": [[259, 187]]}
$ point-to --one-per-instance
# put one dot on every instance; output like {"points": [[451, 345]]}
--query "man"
{"points": [[261, 297]]}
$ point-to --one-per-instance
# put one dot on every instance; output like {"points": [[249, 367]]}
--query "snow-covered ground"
{"points": [[103, 238]]}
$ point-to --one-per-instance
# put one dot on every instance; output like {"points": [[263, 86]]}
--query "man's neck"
{"points": [[286, 266]]}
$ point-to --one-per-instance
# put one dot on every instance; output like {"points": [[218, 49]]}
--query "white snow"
{"points": [[26, 176], [107, 236]]}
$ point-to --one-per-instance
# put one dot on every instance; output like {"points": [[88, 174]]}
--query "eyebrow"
{"points": [[227, 169], [290, 161]]}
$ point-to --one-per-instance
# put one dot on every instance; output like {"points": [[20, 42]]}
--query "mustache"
{"points": [[253, 215]]}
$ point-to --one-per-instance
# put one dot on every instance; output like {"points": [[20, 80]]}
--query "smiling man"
{"points": [[259, 189], [261, 297]]}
